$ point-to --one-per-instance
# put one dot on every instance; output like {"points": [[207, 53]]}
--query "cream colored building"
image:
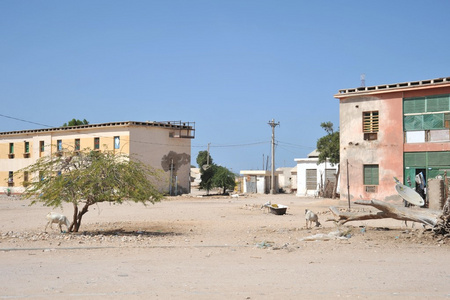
{"points": [[165, 146]]}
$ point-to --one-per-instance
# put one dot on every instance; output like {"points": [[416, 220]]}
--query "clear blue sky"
{"points": [[230, 66]]}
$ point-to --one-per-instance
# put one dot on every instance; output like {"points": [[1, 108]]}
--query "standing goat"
{"points": [[311, 217], [60, 219]]}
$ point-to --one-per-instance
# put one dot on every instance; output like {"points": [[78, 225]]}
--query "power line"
{"points": [[231, 145], [162, 144], [13, 118], [295, 145]]}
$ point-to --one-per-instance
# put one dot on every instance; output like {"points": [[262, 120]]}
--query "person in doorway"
{"points": [[420, 185]]}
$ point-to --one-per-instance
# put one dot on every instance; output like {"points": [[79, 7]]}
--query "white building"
{"points": [[311, 176], [258, 181], [287, 179]]}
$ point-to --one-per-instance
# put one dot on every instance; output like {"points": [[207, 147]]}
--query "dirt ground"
{"points": [[192, 247]]}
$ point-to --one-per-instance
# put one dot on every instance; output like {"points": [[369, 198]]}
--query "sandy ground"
{"points": [[216, 248]]}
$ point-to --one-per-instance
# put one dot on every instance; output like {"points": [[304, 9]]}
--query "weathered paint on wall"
{"points": [[157, 147], [150, 144], [386, 151]]}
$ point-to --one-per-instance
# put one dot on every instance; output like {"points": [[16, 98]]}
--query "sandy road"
{"points": [[197, 248]]}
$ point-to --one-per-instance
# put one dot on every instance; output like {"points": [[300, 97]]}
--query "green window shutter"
{"points": [[437, 159], [414, 105], [413, 123], [415, 159], [371, 174], [434, 121], [438, 103]]}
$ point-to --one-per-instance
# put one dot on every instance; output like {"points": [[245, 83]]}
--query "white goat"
{"points": [[60, 219], [311, 217], [267, 204]]}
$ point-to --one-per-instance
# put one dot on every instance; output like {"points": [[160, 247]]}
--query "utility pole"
{"points": [[207, 156], [272, 185]]}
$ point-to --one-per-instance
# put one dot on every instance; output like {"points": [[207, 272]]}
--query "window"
{"points": [[11, 178], [116, 142], [26, 150], [426, 113], [370, 125], [371, 175], [11, 150], [59, 145], [41, 146], [25, 178], [96, 143], [77, 144], [311, 179]]}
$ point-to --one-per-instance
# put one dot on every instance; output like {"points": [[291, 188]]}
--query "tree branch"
{"points": [[387, 210]]}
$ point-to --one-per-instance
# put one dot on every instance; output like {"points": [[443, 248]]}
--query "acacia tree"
{"points": [[207, 170], [224, 179], [88, 177], [328, 148], [212, 175]]}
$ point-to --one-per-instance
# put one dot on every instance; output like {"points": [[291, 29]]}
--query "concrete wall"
{"points": [[149, 144], [156, 147], [310, 163], [386, 151], [286, 180]]}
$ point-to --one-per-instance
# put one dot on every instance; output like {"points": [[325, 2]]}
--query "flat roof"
{"points": [[383, 88], [164, 124]]}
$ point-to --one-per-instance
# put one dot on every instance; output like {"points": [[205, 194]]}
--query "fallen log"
{"points": [[387, 210]]}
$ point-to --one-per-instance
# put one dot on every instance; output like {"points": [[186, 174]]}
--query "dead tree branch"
{"points": [[387, 210]]}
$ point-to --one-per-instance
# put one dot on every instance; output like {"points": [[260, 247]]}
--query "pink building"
{"points": [[399, 130]]}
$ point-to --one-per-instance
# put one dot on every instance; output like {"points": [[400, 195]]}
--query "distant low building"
{"points": [[164, 146], [287, 179], [195, 177], [312, 176], [258, 181]]}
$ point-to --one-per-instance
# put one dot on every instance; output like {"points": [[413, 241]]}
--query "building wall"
{"points": [[286, 180], [388, 150], [304, 164], [262, 184], [49, 140], [262, 179], [151, 145], [170, 155]]}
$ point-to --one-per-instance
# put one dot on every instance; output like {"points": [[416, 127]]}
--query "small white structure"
{"points": [[287, 179], [195, 177], [311, 176], [258, 181]]}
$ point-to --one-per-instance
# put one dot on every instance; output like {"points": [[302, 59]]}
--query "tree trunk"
{"points": [[336, 181], [424, 216], [80, 216], [74, 218]]}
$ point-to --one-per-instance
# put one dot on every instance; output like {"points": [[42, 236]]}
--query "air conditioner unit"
{"points": [[371, 188]]}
